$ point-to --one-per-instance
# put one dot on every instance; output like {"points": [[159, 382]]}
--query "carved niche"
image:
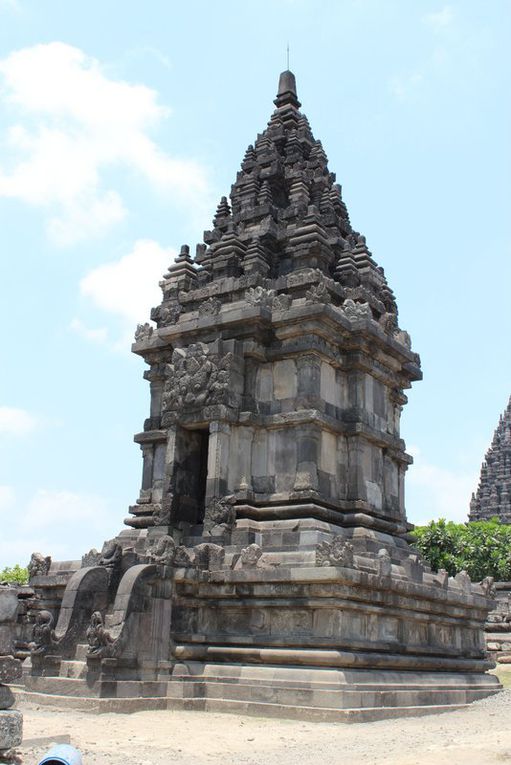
{"points": [[196, 377]]}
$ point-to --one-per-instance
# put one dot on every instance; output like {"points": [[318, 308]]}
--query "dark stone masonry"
{"points": [[11, 721], [266, 566], [493, 496]]}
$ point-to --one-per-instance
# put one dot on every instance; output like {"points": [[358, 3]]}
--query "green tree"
{"points": [[481, 548], [14, 575]]}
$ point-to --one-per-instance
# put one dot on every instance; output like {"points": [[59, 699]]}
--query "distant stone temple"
{"points": [[266, 566], [493, 495]]}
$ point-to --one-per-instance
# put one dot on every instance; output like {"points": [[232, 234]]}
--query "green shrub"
{"points": [[14, 575], [481, 548]]}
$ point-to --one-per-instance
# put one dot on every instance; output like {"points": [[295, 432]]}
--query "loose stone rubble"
{"points": [[11, 721], [266, 566]]}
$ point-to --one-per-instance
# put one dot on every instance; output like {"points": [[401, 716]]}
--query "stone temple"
{"points": [[493, 496], [265, 566]]}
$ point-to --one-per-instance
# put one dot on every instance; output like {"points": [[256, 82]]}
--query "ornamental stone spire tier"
{"points": [[493, 495], [264, 381], [265, 566]]}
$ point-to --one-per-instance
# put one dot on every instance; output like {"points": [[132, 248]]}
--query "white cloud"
{"points": [[440, 19], [16, 422], [72, 124], [49, 508], [99, 335], [128, 287], [436, 492]]}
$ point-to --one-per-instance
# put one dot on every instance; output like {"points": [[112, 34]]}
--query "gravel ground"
{"points": [[477, 735]]}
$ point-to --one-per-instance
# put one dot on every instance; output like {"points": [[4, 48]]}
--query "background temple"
{"points": [[493, 496]]}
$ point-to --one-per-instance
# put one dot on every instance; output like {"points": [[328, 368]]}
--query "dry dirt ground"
{"points": [[478, 735]]}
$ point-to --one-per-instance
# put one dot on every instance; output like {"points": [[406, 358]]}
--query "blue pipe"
{"points": [[62, 754]]}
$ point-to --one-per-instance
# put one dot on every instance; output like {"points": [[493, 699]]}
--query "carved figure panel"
{"points": [[196, 377]]}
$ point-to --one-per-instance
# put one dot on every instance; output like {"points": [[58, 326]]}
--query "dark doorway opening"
{"points": [[191, 474]]}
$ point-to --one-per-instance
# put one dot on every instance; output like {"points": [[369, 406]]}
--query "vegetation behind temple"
{"points": [[14, 575], [482, 548]]}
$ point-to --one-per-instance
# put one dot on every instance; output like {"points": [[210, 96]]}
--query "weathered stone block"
{"points": [[11, 728], [10, 669], [6, 697], [8, 604]]}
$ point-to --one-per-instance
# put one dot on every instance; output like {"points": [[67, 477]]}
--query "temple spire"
{"points": [[494, 491], [286, 95]]}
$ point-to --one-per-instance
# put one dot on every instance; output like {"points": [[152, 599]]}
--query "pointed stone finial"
{"points": [[223, 212], [287, 95]]}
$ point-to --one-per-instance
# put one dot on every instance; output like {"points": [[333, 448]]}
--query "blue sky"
{"points": [[122, 124]]}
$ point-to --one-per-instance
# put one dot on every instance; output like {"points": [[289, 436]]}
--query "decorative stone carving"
{"points": [[250, 556], [162, 551], [414, 569], [383, 563], [167, 313], [183, 558], [443, 578], [162, 513], [210, 307], [388, 322], [208, 556], [401, 336], [463, 579], [101, 643], [318, 293], [355, 311], [281, 302], [196, 377], [92, 558], [488, 586], [39, 565], [43, 634], [338, 552], [143, 332], [259, 296], [111, 554], [220, 516]]}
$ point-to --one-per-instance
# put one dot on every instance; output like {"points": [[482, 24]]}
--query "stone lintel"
{"points": [[150, 436]]}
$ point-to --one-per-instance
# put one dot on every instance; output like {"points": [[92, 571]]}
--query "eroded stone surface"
{"points": [[11, 728], [10, 669]]}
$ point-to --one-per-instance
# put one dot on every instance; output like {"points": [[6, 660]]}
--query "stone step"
{"points": [[73, 668], [310, 714], [74, 687], [333, 697], [81, 651]]}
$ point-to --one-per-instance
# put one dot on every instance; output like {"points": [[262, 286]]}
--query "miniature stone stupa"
{"points": [[493, 495], [266, 566]]}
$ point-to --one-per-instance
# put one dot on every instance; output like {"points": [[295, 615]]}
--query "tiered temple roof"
{"points": [[286, 213], [493, 496]]}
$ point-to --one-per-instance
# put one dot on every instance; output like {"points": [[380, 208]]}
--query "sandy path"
{"points": [[477, 735]]}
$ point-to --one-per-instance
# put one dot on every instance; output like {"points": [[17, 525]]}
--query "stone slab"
{"points": [[10, 669], [8, 604], [11, 728]]}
